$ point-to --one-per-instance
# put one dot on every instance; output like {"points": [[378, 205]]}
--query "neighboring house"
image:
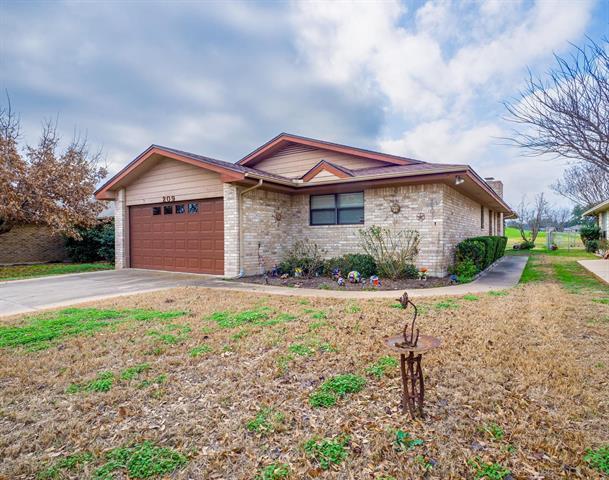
{"points": [[601, 212], [184, 212], [31, 244]]}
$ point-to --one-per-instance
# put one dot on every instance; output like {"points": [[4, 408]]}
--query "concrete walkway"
{"points": [[598, 268], [23, 296]]}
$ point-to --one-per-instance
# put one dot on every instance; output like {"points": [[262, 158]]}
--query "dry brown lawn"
{"points": [[534, 362]]}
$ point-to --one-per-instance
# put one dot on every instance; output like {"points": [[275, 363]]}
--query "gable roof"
{"points": [[283, 139], [336, 170], [601, 207]]}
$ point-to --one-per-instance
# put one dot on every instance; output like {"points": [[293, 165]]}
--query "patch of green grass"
{"points": [[301, 350], [403, 441], [316, 314], [132, 372], [103, 382], [281, 318], [314, 326], [327, 347], [241, 334], [265, 421], [602, 301], [531, 272], [576, 278], [329, 392], [381, 365], [497, 293], [200, 350], [327, 452], [397, 305], [448, 304], [143, 460], [324, 286], [353, 308], [471, 298], [158, 380], [494, 431], [69, 462], [260, 316], [598, 459], [304, 301], [274, 471], [42, 331], [18, 272], [488, 471]]}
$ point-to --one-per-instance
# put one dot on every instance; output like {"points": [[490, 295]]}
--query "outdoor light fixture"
{"points": [[459, 180]]}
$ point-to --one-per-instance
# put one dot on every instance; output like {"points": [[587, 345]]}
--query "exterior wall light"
{"points": [[459, 180]]}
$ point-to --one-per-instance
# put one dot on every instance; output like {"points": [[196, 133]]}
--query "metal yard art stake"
{"points": [[411, 346]]}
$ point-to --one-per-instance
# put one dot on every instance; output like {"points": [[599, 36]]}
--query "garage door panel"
{"points": [[188, 242]]}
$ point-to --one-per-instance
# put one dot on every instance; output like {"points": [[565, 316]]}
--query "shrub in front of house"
{"points": [[592, 246], [393, 250], [590, 232], [473, 255], [304, 255], [95, 243], [360, 262]]}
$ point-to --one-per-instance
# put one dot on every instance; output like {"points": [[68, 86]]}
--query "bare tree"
{"points": [[531, 217], [558, 218], [584, 184], [567, 114], [44, 186]]}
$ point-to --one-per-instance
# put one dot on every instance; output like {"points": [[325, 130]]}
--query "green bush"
{"points": [[471, 249], [466, 270], [359, 262], [96, 243], [305, 255], [410, 271], [592, 246], [526, 245], [590, 232]]}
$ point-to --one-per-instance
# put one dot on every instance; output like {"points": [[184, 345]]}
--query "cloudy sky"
{"points": [[420, 78]]}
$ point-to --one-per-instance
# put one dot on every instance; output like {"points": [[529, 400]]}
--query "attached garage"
{"points": [[184, 236]]}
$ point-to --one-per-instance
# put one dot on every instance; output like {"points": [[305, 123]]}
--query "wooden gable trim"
{"points": [[283, 139], [104, 192], [328, 167]]}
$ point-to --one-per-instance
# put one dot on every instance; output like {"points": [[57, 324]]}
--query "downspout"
{"points": [[240, 207]]}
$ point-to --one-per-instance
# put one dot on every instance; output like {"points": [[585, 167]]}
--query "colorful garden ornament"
{"points": [[375, 281], [354, 277]]}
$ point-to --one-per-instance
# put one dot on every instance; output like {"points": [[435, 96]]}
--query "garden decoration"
{"points": [[298, 272], [341, 281], [336, 273], [411, 346], [375, 281], [354, 277]]}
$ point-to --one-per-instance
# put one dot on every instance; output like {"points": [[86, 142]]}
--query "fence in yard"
{"points": [[564, 240]]}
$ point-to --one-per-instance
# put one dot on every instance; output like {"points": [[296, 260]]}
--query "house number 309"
{"points": [[169, 198]]}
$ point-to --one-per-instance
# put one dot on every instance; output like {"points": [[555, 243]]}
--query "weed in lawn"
{"points": [[488, 471], [144, 460], [301, 350], [353, 308], [448, 304], [241, 334], [132, 372], [378, 369], [274, 471], [314, 326], [327, 348], [494, 431], [336, 387], [281, 318], [41, 331], [471, 298], [316, 314], [102, 383], [200, 350], [598, 321], [403, 441], [396, 305], [603, 301], [159, 380], [327, 452], [598, 459], [304, 301], [425, 463], [69, 462], [231, 320], [266, 421], [497, 293]]}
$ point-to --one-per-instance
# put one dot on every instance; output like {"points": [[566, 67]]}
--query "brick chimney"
{"points": [[496, 185]]}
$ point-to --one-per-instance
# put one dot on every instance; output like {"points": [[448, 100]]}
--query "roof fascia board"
{"points": [[597, 208]]}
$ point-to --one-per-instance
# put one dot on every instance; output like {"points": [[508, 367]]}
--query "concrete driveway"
{"points": [[23, 296]]}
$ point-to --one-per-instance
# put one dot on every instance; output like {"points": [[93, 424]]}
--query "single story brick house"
{"points": [[601, 212], [183, 212]]}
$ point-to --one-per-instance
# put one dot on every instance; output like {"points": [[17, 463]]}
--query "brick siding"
{"points": [[31, 244]]}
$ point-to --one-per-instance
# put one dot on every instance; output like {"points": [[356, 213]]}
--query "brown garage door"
{"points": [[183, 236]]}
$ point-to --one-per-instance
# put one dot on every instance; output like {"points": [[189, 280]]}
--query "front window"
{"points": [[337, 209]]}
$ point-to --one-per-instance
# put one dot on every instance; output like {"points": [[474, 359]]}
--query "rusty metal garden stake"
{"points": [[411, 347]]}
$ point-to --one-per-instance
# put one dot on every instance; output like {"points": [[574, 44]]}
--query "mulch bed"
{"points": [[326, 283]]}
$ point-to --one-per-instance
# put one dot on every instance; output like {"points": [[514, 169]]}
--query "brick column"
{"points": [[231, 230], [121, 230]]}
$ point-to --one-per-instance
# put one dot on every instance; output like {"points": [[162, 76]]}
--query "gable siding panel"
{"points": [[295, 162], [171, 177]]}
